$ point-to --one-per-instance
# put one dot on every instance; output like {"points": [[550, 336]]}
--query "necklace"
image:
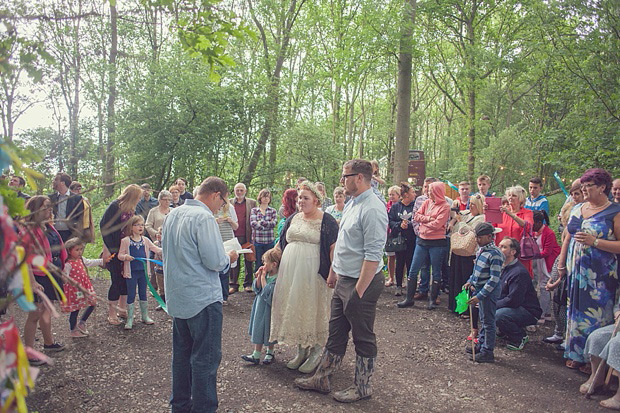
{"points": [[598, 207]]}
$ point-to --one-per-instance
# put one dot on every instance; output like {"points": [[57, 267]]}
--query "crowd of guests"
{"points": [[327, 255]]}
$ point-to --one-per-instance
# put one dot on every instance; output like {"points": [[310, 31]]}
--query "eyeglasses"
{"points": [[221, 197], [345, 176], [586, 186]]}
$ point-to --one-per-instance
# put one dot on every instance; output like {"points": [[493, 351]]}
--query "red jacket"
{"points": [[550, 248]]}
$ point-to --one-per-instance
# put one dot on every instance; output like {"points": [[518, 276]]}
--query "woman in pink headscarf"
{"points": [[431, 245]]}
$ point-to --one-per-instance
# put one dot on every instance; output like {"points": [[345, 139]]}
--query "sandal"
{"points": [[586, 369], [114, 321], [572, 364], [389, 283]]}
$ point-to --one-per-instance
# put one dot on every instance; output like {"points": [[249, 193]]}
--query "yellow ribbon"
{"points": [[25, 274], [63, 298]]}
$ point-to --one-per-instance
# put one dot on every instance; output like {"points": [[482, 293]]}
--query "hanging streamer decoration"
{"points": [[561, 184], [158, 298], [17, 375]]}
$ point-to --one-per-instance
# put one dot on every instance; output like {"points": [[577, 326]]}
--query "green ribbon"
{"points": [[157, 297], [461, 301]]}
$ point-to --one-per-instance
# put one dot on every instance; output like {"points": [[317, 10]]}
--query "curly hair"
{"points": [[289, 202]]}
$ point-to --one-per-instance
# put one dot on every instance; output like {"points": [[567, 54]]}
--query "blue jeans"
{"points": [[260, 250], [486, 336], [512, 322], [421, 257], [137, 279], [196, 356]]}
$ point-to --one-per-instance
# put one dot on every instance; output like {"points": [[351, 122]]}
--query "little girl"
{"points": [[77, 299], [136, 246], [260, 318]]}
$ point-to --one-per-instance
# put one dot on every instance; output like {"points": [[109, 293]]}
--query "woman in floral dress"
{"points": [[589, 260]]}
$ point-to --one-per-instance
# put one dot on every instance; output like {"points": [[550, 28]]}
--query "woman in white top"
{"points": [[156, 216]]}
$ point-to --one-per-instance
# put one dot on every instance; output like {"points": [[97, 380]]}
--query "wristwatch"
{"points": [[595, 243]]}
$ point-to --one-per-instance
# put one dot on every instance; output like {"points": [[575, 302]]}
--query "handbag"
{"points": [[529, 247], [463, 243], [250, 257], [395, 244]]}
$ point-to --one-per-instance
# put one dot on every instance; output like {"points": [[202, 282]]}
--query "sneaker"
{"points": [[56, 347], [250, 359], [486, 357], [36, 362], [77, 334], [518, 346], [554, 339], [82, 327]]}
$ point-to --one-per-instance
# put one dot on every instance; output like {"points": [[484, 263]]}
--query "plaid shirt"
{"points": [[487, 270], [263, 225]]}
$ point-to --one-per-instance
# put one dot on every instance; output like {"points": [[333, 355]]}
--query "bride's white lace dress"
{"points": [[301, 301]]}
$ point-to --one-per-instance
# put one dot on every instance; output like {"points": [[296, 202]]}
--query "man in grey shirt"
{"points": [[194, 257], [358, 280]]}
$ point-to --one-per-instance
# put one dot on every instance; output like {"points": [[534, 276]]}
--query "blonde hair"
{"points": [[312, 188], [338, 191], [129, 198], [273, 255], [484, 178], [130, 223], [478, 201], [395, 189], [565, 212], [518, 191]]}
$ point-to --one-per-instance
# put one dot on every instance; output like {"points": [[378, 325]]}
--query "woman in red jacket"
{"points": [[543, 263], [514, 219]]}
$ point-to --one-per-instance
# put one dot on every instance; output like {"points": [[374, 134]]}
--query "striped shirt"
{"points": [[487, 270], [263, 225], [537, 204]]}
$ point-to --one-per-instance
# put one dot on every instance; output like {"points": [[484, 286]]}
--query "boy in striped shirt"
{"points": [[484, 282]]}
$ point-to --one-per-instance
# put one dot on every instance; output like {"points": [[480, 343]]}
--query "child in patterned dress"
{"points": [[83, 295]]}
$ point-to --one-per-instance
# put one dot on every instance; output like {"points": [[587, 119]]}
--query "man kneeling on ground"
{"points": [[518, 304]]}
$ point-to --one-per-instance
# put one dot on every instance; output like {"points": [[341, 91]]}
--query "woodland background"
{"points": [[263, 91]]}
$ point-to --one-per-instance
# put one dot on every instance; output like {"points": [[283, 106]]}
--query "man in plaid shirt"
{"points": [[484, 282]]}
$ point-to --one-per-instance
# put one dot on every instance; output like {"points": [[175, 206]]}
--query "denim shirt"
{"points": [[362, 235], [194, 256]]}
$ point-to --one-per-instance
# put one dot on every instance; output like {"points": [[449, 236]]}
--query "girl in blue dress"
{"points": [[260, 318]]}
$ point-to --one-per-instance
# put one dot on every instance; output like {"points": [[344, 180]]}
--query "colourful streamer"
{"points": [[561, 184], [157, 297], [63, 297], [21, 253], [451, 185]]}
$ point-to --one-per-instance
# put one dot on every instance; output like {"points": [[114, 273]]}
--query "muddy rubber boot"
{"points": [[302, 355], [361, 389], [432, 299], [129, 322], [408, 301], [313, 360], [320, 380], [144, 311]]}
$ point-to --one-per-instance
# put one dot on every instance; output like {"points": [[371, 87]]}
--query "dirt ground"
{"points": [[421, 366]]}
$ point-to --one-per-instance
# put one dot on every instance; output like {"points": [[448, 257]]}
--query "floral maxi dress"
{"points": [[592, 279]]}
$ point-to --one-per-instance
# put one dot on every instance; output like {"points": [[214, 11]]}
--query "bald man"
{"points": [[243, 207], [615, 190]]}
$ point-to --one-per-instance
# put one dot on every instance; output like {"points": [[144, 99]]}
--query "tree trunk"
{"points": [[108, 174], [403, 111]]}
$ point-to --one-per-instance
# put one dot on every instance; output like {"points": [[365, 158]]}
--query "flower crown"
{"points": [[312, 188]]}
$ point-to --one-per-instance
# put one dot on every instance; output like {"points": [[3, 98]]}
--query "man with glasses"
{"points": [[194, 257], [358, 281]]}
